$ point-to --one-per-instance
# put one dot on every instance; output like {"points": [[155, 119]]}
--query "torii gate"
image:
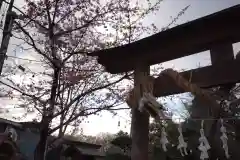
{"points": [[216, 32]]}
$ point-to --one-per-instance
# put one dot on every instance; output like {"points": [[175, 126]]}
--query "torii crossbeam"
{"points": [[216, 32]]}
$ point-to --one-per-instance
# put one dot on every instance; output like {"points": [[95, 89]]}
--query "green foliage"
{"points": [[155, 132], [157, 154], [119, 148], [155, 150], [124, 142], [121, 133]]}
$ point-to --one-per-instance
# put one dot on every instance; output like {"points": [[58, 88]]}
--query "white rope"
{"points": [[182, 146], [224, 139], [204, 145], [164, 141], [200, 119]]}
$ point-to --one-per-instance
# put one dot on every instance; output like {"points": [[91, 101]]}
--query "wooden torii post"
{"points": [[215, 32], [141, 84]]}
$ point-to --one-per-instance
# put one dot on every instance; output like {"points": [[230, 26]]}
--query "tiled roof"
{"points": [[90, 151]]}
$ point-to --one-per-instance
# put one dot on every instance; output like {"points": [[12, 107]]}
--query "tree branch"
{"points": [[47, 3], [82, 113], [55, 10], [59, 34], [83, 26], [33, 43], [23, 93], [67, 14], [88, 92], [26, 16], [73, 53]]}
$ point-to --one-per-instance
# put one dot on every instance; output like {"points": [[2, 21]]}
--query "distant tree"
{"points": [[123, 141], [155, 149], [119, 148], [121, 133]]}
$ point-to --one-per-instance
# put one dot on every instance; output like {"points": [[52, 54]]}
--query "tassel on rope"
{"points": [[204, 145], [164, 141], [224, 139], [182, 146]]}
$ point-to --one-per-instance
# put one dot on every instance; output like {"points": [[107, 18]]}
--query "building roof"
{"points": [[84, 147], [16, 124], [82, 144], [90, 151], [186, 39]]}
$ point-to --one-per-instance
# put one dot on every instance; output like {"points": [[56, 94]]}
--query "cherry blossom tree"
{"points": [[62, 83]]}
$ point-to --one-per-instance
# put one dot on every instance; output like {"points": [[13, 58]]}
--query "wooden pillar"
{"points": [[221, 53], [140, 120]]}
